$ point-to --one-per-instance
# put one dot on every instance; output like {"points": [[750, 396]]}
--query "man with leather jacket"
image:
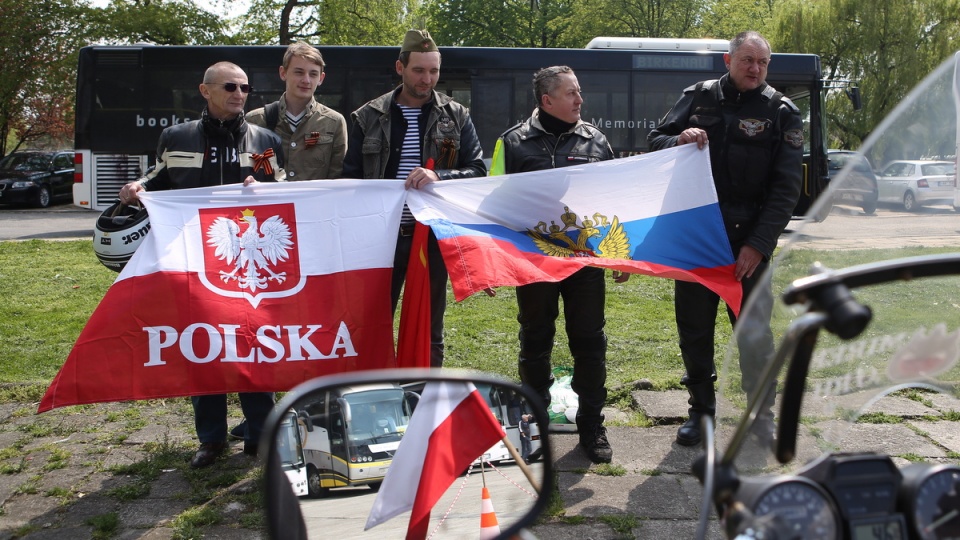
{"points": [[755, 137], [220, 148], [555, 136], [418, 135]]}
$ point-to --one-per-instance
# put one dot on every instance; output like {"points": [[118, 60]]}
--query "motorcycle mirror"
{"points": [[415, 441]]}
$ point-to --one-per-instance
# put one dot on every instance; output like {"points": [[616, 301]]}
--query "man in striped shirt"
{"points": [[418, 135]]}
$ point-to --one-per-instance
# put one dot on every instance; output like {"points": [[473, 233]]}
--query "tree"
{"points": [[160, 22], [38, 44], [886, 47], [329, 22], [511, 23], [724, 19], [638, 18]]}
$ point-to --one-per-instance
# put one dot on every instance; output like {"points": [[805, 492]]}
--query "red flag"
{"points": [[191, 313], [450, 428], [413, 340]]}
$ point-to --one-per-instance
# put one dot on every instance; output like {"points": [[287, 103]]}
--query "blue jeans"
{"points": [[210, 415]]}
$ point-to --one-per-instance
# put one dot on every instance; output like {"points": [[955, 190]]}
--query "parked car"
{"points": [[36, 177], [859, 185], [914, 183]]}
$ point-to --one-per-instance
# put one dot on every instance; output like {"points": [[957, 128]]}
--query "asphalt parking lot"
{"points": [[61, 222], [888, 224]]}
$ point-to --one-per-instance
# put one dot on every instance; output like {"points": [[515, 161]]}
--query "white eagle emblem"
{"points": [[253, 252], [753, 127]]}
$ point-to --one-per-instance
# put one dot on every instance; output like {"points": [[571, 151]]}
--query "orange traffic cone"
{"points": [[489, 528]]}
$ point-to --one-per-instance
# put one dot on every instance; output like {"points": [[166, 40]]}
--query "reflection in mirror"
{"points": [[419, 456]]}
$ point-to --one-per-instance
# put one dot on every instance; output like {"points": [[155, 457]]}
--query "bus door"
{"points": [[290, 450]]}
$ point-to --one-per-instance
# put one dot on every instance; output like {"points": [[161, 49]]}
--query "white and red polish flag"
{"points": [[243, 289], [451, 426]]}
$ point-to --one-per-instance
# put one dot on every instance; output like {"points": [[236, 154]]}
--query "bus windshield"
{"points": [[376, 423]]}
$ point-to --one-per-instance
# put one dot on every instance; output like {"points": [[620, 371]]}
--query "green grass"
{"points": [[49, 290], [610, 469], [104, 525], [52, 288], [622, 524]]}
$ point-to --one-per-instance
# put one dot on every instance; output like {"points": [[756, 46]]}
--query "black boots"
{"points": [[703, 402], [593, 440]]}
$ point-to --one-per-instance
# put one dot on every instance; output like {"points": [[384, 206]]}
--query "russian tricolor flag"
{"points": [[655, 214]]}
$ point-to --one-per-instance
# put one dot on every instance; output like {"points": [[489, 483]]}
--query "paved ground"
{"points": [[61, 222], [64, 470], [81, 472]]}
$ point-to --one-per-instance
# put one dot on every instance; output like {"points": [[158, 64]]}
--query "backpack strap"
{"points": [[271, 113]]}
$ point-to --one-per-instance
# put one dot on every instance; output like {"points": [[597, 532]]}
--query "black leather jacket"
{"points": [[528, 147], [186, 155], [448, 136], [756, 155]]}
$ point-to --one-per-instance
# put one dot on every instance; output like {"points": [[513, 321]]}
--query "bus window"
{"points": [[288, 441], [491, 104], [606, 105]]}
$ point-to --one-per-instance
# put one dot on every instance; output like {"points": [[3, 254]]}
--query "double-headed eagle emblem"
{"points": [[252, 252], [559, 241]]}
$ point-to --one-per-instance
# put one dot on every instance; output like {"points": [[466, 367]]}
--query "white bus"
{"points": [[345, 438]]}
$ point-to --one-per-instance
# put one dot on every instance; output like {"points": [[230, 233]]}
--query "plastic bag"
{"points": [[563, 400]]}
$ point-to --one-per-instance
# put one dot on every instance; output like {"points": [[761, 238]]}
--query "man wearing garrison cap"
{"points": [[416, 134]]}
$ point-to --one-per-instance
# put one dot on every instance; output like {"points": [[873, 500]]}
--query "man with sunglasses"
{"points": [[219, 148]]}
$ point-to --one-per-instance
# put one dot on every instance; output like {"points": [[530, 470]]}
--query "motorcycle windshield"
{"points": [[906, 359]]}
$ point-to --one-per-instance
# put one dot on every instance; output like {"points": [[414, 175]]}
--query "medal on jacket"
{"points": [[313, 139]]}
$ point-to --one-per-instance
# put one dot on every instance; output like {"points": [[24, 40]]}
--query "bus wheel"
{"points": [[314, 489], [375, 486]]}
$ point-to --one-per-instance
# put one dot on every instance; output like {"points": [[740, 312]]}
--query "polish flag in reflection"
{"points": [[449, 429]]}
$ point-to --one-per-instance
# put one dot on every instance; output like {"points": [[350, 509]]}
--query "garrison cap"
{"points": [[418, 41]]}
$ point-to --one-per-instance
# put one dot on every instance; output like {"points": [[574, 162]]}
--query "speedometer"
{"points": [[800, 505], [930, 497]]}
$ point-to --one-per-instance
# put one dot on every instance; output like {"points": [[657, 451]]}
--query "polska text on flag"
{"points": [[451, 426], [654, 214], [243, 289]]}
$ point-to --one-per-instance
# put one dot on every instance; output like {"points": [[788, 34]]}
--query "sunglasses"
{"points": [[232, 87]]}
